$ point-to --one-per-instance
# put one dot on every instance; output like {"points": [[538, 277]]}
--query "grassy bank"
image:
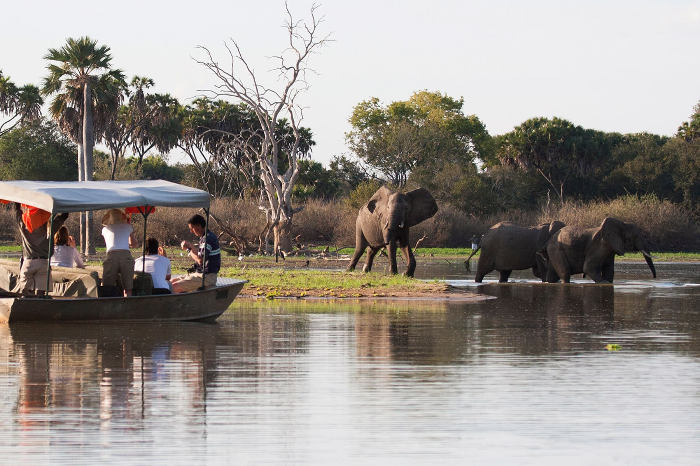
{"points": [[280, 283]]}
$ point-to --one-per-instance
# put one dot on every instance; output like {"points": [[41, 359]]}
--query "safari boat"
{"points": [[75, 291]]}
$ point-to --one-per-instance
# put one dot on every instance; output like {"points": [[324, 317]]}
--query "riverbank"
{"points": [[322, 275], [303, 284]]}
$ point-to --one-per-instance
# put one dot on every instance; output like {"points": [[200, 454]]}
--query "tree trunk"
{"points": [[81, 177], [283, 236], [88, 143]]}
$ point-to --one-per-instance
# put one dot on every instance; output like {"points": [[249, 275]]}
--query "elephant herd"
{"points": [[553, 251]]}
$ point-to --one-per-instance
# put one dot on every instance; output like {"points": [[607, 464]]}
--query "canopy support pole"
{"points": [[145, 213], [48, 260], [204, 255]]}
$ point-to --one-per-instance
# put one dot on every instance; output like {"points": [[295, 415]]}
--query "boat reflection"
{"points": [[129, 371]]}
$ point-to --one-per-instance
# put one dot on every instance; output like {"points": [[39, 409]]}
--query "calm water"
{"points": [[521, 379]]}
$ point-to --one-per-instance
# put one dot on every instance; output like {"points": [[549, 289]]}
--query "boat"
{"points": [[78, 300]]}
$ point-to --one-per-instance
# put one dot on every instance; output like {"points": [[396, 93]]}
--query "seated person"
{"points": [[204, 270], [65, 254], [155, 263]]}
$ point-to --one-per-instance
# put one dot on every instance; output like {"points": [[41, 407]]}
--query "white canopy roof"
{"points": [[78, 196]]}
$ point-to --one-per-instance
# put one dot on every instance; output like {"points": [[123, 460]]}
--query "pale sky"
{"points": [[611, 65]]}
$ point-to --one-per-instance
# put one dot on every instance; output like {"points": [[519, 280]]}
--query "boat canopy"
{"points": [[79, 196]]}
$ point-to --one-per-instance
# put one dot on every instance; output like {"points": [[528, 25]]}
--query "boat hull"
{"points": [[205, 305]]}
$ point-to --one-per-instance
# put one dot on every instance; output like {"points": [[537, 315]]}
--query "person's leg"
{"points": [[126, 271], [40, 276], [187, 283], [109, 270]]}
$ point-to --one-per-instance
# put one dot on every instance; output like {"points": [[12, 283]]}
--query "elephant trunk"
{"points": [[650, 263]]}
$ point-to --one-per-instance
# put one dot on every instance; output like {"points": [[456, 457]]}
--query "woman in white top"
{"points": [[157, 265], [65, 254], [119, 237]]}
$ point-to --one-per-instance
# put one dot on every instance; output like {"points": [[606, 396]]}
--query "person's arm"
{"points": [[133, 240], [168, 273], [193, 252], [76, 257]]}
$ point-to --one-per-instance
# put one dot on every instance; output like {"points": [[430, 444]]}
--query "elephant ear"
{"points": [[612, 231], [380, 197], [555, 226], [423, 206]]}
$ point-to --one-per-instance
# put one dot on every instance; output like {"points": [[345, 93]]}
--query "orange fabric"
{"points": [[33, 218], [139, 210]]}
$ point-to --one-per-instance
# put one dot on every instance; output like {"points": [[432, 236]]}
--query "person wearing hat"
{"points": [[33, 228], [119, 237]]}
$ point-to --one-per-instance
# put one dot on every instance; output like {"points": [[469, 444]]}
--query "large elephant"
{"points": [[592, 251], [508, 246], [386, 219]]}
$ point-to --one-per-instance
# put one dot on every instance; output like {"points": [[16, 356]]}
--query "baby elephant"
{"points": [[385, 219], [508, 246]]}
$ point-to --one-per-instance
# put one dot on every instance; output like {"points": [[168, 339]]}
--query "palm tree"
{"points": [[21, 104], [80, 74]]}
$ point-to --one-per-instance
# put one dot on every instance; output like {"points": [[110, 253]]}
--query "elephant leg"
{"points": [[410, 260], [609, 272], [407, 254], [551, 276], [370, 259], [484, 266], [504, 275], [593, 271], [360, 246], [391, 251]]}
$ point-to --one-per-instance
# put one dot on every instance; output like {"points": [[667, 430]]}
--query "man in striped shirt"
{"points": [[208, 268]]}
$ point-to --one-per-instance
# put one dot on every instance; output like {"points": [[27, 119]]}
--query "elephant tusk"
{"points": [[646, 254]]}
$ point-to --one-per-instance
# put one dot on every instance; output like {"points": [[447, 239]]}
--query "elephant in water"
{"points": [[508, 246], [592, 251], [386, 219]]}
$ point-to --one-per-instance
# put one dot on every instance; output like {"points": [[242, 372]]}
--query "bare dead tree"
{"points": [[274, 109]]}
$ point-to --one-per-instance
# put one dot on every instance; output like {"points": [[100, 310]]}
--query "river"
{"points": [[540, 374]]}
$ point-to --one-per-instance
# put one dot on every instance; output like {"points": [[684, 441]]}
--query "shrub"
{"points": [[327, 222]]}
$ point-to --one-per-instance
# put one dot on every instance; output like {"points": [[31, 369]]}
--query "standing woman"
{"points": [[65, 254], [119, 237]]}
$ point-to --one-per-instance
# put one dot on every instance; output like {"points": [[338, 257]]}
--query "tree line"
{"points": [[243, 146]]}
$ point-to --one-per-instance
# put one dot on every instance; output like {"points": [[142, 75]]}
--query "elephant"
{"points": [[592, 251], [386, 219], [508, 246]]}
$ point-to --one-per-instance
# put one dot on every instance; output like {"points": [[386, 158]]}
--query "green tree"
{"points": [[350, 173], [428, 130], [37, 151], [690, 130], [154, 118], [315, 182], [639, 165], [81, 76], [20, 105], [556, 149]]}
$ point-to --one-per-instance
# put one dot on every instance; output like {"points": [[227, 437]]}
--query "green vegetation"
{"points": [[287, 282], [546, 168]]}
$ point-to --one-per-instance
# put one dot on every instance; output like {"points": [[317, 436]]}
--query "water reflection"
{"points": [[369, 381]]}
